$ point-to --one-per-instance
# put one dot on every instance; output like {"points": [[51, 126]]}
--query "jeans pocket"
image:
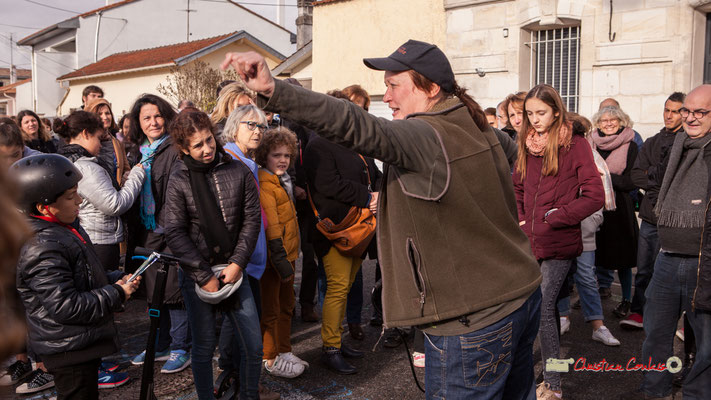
{"points": [[487, 357]]}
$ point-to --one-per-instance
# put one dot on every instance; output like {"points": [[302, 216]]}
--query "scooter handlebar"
{"points": [[142, 251]]}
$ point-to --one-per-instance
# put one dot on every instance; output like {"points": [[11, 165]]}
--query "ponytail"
{"points": [[474, 108]]}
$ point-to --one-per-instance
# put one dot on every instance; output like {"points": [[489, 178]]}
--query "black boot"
{"points": [[350, 352], [681, 376], [333, 359]]}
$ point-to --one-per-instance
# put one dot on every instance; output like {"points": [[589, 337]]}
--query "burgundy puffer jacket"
{"points": [[575, 191]]}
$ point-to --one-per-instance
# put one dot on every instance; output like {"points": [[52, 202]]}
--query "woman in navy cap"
{"points": [[454, 261]]}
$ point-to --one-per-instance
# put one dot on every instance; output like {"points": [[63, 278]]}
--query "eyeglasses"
{"points": [[608, 121], [698, 114], [254, 125]]}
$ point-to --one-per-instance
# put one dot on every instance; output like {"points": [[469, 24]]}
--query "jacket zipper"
{"points": [[533, 214], [698, 268], [417, 274]]}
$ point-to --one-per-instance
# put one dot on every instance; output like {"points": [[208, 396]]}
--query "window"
{"points": [[555, 56]]}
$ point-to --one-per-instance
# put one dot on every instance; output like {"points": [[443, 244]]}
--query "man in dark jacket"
{"points": [[447, 219], [647, 174], [681, 210]]}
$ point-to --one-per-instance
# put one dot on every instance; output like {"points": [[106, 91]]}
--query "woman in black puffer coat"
{"points": [[68, 299]]}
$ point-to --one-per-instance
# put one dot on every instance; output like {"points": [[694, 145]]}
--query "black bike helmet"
{"points": [[43, 178]]}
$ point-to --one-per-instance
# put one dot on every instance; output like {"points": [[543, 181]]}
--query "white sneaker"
{"points": [[291, 357], [604, 336], [564, 325], [418, 359], [284, 368]]}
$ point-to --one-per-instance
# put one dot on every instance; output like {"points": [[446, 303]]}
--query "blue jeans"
{"points": [[669, 293], [495, 362], [247, 338], [605, 277], [586, 282], [647, 250], [174, 330], [697, 384], [554, 274], [225, 343]]}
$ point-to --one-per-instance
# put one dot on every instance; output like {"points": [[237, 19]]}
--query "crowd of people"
{"points": [[487, 219]]}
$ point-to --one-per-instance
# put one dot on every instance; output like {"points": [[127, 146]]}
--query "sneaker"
{"points": [[418, 359], [39, 380], [622, 309], [294, 359], [564, 325], [680, 333], [633, 321], [16, 372], [108, 366], [544, 392], [284, 368], [160, 356], [178, 361], [604, 336], [108, 380]]}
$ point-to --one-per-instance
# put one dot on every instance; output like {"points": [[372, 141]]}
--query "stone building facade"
{"points": [[636, 51]]}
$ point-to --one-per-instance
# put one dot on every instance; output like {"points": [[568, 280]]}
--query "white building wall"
{"points": [[146, 24], [154, 23], [23, 97], [658, 49]]}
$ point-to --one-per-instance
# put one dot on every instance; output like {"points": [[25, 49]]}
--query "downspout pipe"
{"points": [[96, 36], [35, 79]]}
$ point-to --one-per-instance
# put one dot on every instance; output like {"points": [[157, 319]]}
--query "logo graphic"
{"points": [[558, 365], [673, 365]]}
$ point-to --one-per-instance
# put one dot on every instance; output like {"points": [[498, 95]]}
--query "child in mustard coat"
{"points": [[275, 155]]}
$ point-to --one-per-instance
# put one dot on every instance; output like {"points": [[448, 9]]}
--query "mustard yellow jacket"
{"points": [[281, 214]]}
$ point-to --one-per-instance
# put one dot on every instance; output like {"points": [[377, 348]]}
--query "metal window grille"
{"points": [[555, 60]]}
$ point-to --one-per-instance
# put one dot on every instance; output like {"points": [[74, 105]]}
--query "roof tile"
{"points": [[143, 58]]}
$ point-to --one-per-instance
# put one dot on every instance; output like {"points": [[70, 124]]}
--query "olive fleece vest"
{"points": [[449, 241]]}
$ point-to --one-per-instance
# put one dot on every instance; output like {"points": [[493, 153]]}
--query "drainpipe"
{"points": [[96, 36], [35, 80]]}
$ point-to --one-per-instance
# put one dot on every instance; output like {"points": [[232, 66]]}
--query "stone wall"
{"points": [[656, 49]]}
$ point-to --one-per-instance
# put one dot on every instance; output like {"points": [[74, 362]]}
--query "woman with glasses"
{"points": [[242, 134], [617, 238]]}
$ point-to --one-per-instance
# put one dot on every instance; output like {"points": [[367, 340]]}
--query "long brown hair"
{"points": [[475, 110], [42, 133], [95, 105], [550, 97]]}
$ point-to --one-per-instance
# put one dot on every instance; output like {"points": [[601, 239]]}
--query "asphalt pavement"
{"points": [[382, 373]]}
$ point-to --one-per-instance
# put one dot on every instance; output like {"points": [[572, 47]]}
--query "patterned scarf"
{"points": [[618, 144], [536, 144], [148, 203]]}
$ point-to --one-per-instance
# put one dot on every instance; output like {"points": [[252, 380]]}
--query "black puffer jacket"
{"points": [[649, 169], [238, 197], [67, 295]]}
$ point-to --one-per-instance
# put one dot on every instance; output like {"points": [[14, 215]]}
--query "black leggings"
{"points": [[77, 381]]}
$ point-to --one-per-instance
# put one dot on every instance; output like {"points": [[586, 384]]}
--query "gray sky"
{"points": [[24, 17]]}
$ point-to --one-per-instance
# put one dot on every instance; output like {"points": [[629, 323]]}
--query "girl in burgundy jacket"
{"points": [[557, 185]]}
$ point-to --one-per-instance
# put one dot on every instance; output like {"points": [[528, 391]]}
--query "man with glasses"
{"points": [[647, 174], [683, 219]]}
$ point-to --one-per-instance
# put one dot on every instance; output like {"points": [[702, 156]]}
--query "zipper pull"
{"points": [[422, 304]]}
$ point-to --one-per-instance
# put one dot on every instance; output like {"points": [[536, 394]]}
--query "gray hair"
{"points": [[229, 134], [616, 112]]}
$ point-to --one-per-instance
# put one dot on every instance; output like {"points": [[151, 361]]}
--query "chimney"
{"points": [[304, 23]]}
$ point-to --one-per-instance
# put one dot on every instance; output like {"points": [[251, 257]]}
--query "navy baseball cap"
{"points": [[425, 58]]}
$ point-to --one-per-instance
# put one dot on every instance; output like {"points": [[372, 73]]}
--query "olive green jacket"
{"points": [[448, 237]]}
